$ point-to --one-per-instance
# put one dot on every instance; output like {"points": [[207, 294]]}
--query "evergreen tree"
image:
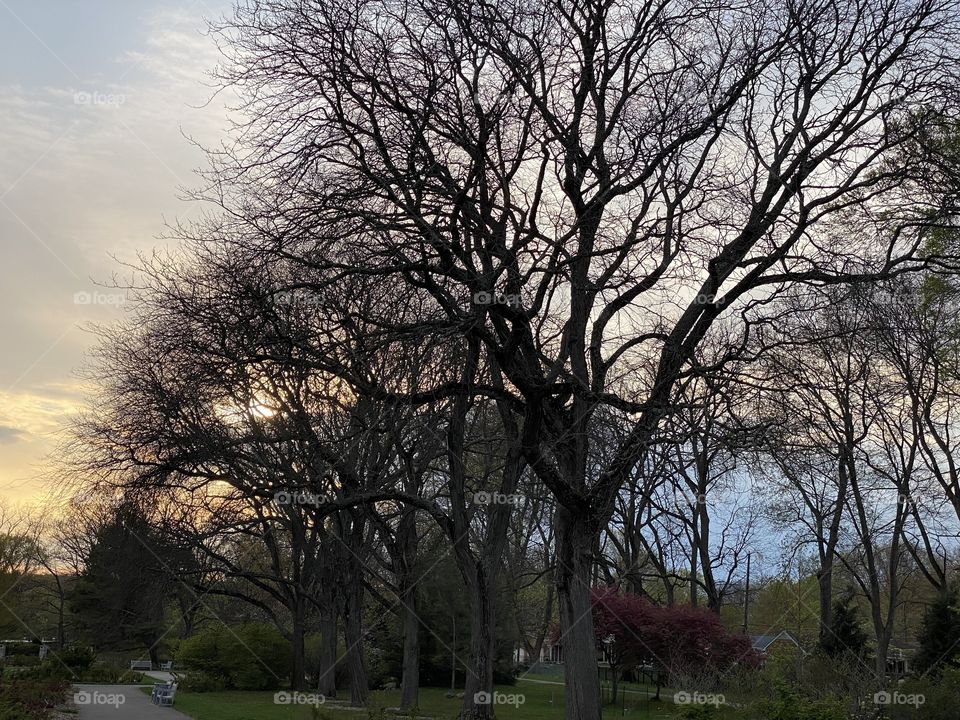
{"points": [[940, 634], [846, 637], [120, 596]]}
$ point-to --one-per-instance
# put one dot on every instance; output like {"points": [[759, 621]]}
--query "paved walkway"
{"points": [[119, 702], [160, 675]]}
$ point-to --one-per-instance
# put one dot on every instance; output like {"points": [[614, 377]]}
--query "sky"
{"points": [[99, 101]]}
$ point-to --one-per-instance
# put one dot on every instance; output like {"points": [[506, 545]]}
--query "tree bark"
{"points": [[574, 559], [410, 681], [825, 583], [353, 636], [478, 688], [298, 665], [327, 681]]}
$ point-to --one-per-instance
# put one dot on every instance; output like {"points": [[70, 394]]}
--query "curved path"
{"points": [[119, 702]]}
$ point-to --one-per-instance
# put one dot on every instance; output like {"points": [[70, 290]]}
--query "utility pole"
{"points": [[453, 658], [746, 601]]}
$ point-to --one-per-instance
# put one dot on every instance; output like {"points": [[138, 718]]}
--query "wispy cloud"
{"points": [[9, 434], [92, 167]]}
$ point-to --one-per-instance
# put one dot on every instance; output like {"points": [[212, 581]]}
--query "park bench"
{"points": [[164, 694], [140, 665], [167, 666]]}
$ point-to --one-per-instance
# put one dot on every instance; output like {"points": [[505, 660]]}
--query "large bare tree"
{"points": [[578, 188]]}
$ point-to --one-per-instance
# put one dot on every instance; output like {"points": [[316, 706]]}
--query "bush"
{"points": [[248, 657], [201, 682], [939, 698], [110, 674], [699, 712], [791, 706], [30, 699], [76, 657], [30, 648]]}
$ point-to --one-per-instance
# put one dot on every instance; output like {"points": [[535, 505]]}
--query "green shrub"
{"points": [[200, 682], [247, 657], [30, 648], [30, 699], [110, 674], [790, 705], [936, 698], [698, 712], [76, 657]]}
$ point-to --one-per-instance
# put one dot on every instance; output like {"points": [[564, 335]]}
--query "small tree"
{"points": [[845, 637], [940, 634], [679, 639], [119, 598]]}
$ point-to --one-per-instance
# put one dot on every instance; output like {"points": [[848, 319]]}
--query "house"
{"points": [[781, 643], [898, 664], [552, 654]]}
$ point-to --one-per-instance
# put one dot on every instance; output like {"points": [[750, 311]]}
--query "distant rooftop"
{"points": [[762, 642]]}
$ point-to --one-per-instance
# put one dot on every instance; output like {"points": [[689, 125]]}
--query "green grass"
{"points": [[542, 702]]}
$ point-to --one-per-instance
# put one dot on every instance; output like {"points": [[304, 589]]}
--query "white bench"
{"points": [[167, 666], [164, 694], [140, 665]]}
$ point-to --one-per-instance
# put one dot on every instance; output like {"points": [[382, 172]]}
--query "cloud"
{"points": [[91, 169], [10, 434]]}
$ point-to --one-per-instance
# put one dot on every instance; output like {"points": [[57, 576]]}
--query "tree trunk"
{"points": [[353, 636], [327, 681], [694, 594], [825, 583], [574, 559], [478, 688], [883, 648], [298, 665], [410, 682]]}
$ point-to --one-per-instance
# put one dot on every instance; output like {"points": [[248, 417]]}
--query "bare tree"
{"points": [[580, 188]]}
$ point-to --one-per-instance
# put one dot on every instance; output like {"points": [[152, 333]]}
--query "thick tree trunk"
{"points": [[405, 561], [825, 583], [883, 649], [298, 665], [327, 681], [478, 689], [353, 636], [574, 558], [410, 682]]}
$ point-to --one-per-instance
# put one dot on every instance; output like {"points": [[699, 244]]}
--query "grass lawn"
{"points": [[543, 701]]}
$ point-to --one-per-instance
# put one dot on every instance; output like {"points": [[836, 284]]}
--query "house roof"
{"points": [[762, 642]]}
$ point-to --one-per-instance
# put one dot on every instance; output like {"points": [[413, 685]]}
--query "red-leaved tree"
{"points": [[681, 641]]}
